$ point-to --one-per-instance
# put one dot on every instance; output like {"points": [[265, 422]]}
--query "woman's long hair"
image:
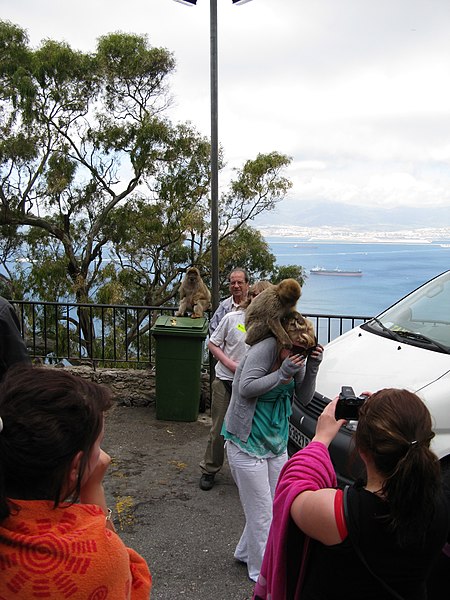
{"points": [[48, 415], [395, 431]]}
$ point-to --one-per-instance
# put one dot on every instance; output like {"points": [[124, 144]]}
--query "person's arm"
{"points": [[92, 490], [306, 386], [14, 348], [313, 511], [220, 355], [257, 376], [217, 342], [223, 336]]}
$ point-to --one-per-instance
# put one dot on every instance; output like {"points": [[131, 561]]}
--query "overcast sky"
{"points": [[357, 92]]}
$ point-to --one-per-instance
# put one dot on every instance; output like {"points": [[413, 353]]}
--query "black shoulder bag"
{"points": [[351, 534]]}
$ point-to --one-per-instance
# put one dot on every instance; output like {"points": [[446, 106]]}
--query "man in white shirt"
{"points": [[227, 345]]}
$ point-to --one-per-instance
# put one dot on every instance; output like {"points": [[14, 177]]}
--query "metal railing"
{"points": [[117, 335], [329, 327]]}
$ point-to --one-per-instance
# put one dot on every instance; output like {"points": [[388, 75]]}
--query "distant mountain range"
{"points": [[334, 214]]}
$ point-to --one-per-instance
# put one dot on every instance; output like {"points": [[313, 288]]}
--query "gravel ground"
{"points": [[186, 535]]}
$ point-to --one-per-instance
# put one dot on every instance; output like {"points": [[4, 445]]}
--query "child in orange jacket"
{"points": [[56, 537]]}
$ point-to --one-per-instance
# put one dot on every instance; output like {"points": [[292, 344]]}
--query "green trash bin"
{"points": [[178, 360]]}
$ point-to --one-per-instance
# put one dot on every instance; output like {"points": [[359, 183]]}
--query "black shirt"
{"points": [[335, 572]]}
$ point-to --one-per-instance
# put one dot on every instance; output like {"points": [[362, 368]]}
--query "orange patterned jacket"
{"points": [[67, 554]]}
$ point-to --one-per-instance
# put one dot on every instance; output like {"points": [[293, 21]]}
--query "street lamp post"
{"points": [[214, 156], [214, 147]]}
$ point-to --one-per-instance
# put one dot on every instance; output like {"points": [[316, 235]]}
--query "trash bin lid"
{"points": [[169, 325]]}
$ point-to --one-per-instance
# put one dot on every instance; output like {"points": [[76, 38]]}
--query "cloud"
{"points": [[356, 92]]}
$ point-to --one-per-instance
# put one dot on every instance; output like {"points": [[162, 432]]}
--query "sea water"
{"points": [[390, 271]]}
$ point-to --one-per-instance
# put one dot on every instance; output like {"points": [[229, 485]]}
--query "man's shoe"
{"points": [[207, 481]]}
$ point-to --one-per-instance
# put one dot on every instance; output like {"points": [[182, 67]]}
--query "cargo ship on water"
{"points": [[336, 271]]}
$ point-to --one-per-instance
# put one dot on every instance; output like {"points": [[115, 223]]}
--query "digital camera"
{"points": [[348, 404]]}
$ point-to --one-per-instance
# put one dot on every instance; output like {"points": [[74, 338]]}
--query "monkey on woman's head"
{"points": [[263, 316], [300, 330], [194, 295]]}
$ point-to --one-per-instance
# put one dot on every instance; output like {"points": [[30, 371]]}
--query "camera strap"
{"points": [[352, 528]]}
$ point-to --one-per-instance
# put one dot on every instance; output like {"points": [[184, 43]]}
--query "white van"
{"points": [[406, 346]]}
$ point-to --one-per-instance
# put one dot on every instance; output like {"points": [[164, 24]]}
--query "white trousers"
{"points": [[256, 479]]}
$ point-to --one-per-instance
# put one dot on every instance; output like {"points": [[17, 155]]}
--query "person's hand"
{"points": [[232, 365], [317, 352], [290, 366], [297, 359], [327, 426], [92, 491], [98, 472]]}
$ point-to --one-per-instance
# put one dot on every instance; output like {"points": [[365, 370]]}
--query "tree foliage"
{"points": [[104, 197], [289, 271]]}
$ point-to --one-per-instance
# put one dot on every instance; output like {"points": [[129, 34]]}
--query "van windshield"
{"points": [[422, 318]]}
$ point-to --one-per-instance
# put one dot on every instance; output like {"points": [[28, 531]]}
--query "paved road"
{"points": [[186, 535]]}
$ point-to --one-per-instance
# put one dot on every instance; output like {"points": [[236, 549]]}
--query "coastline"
{"points": [[307, 235]]}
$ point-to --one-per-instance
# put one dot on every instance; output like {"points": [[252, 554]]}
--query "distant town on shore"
{"points": [[426, 235]]}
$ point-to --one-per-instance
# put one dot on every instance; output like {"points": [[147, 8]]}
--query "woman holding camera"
{"points": [[376, 540], [256, 426], [56, 537]]}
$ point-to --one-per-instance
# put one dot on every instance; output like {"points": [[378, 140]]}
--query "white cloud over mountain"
{"points": [[357, 92]]}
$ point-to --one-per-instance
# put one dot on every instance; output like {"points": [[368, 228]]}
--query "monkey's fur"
{"points": [[263, 316], [194, 295]]}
